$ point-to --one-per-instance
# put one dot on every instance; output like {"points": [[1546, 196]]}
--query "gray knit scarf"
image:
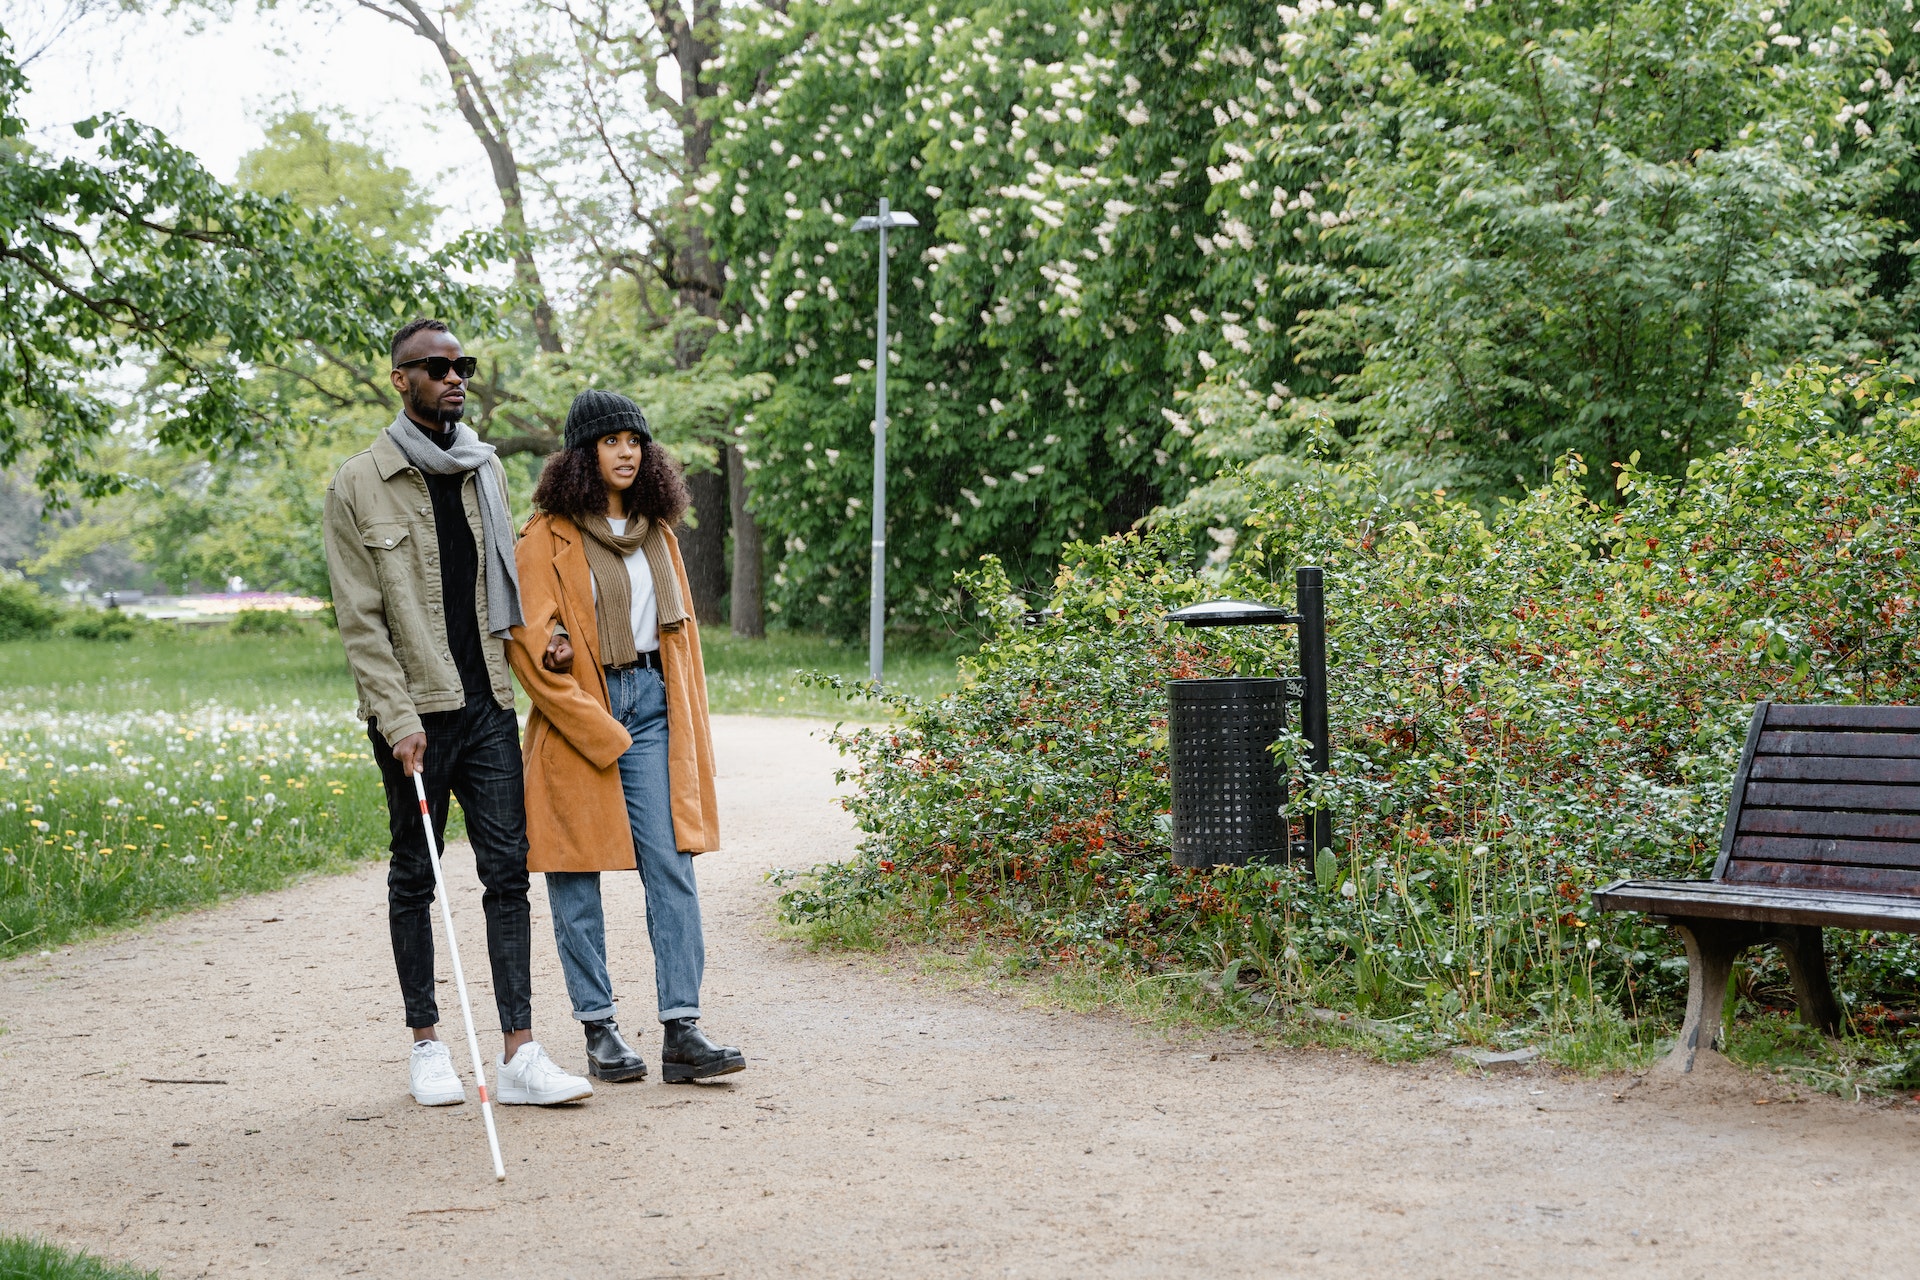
{"points": [[606, 557], [471, 453]]}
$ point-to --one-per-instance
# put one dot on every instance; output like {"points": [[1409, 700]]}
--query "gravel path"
{"points": [[885, 1127]]}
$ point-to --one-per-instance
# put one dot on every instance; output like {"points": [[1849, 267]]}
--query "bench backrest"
{"points": [[1827, 798]]}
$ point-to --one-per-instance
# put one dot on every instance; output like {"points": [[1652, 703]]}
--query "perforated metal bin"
{"points": [[1227, 790]]}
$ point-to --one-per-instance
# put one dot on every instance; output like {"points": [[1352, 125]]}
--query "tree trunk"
{"points": [[748, 619], [704, 545]]}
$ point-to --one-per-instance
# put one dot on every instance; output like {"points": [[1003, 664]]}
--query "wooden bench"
{"points": [[1823, 830]]}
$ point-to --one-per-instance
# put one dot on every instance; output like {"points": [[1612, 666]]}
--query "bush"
{"points": [[106, 624], [265, 622], [1525, 705], [24, 611]]}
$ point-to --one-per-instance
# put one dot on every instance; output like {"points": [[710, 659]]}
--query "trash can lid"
{"points": [[1231, 613]]}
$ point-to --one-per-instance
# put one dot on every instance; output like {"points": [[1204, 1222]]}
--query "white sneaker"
{"points": [[431, 1075], [532, 1078]]}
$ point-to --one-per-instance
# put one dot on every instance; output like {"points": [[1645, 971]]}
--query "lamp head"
{"points": [[889, 220]]}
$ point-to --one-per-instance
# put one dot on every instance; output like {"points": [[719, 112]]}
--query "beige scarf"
{"points": [[607, 552]]}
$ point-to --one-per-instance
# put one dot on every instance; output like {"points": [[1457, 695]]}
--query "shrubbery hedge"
{"points": [[24, 611], [1525, 704]]}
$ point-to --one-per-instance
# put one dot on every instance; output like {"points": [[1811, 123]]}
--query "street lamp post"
{"points": [[877, 611]]}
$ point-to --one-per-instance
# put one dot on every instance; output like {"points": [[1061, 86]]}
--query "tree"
{"points": [[1460, 238], [139, 254], [254, 511], [1024, 415], [591, 158], [1577, 227], [317, 162]]}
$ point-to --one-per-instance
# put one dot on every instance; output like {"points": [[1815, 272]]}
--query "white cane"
{"points": [[460, 980]]}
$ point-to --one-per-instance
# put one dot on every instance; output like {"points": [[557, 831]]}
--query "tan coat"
{"points": [[576, 810]]}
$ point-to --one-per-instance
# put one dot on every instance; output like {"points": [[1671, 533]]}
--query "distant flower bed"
{"points": [[1526, 704], [105, 815]]}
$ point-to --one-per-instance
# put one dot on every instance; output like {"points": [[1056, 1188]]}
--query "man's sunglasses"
{"points": [[437, 366]]}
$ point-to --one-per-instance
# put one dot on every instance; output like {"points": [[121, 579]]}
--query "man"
{"points": [[420, 549]]}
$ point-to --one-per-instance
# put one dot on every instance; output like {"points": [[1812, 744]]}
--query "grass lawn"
{"points": [[24, 1258], [181, 767]]}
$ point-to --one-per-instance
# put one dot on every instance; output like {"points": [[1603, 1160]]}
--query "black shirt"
{"points": [[459, 573]]}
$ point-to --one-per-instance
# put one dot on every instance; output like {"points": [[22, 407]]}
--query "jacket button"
{"points": [[389, 541]]}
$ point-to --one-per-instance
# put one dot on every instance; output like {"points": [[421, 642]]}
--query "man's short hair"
{"points": [[422, 325]]}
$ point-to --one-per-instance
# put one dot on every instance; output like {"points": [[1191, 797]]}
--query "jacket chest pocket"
{"points": [[396, 552]]}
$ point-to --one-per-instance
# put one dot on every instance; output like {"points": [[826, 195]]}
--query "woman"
{"points": [[618, 757]]}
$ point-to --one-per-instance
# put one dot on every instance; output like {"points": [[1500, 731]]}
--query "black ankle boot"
{"points": [[689, 1055], [609, 1057]]}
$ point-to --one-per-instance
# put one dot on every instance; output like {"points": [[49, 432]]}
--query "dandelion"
{"points": [[188, 859], [269, 799], [219, 777], [259, 822]]}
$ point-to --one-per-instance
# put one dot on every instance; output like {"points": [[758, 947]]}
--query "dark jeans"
{"points": [[474, 754]]}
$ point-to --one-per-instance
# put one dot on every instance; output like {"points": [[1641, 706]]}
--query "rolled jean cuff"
{"points": [[687, 1011], [593, 1015]]}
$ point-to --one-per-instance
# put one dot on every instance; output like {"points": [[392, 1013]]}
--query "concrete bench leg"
{"points": [[1802, 947], [1712, 947]]}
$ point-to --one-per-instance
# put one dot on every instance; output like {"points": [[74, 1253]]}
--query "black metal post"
{"points": [[1310, 603]]}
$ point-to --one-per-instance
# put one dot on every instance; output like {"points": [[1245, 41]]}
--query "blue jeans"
{"points": [[639, 702]]}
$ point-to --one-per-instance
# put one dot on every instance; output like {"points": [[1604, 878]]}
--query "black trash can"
{"points": [[1228, 791]]}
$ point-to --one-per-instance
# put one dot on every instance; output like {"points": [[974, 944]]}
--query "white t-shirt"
{"points": [[646, 613]]}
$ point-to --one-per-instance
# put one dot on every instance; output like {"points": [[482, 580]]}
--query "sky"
{"points": [[208, 83]]}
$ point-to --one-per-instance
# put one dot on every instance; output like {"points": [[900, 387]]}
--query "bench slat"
{"points": [[1859, 853], [1835, 769], [1819, 717], [1777, 742], [1830, 822], [1833, 795], [1767, 905], [1892, 881]]}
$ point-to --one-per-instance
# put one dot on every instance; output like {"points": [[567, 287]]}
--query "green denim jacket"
{"points": [[383, 554]]}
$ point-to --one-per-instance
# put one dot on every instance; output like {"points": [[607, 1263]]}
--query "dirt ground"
{"points": [[885, 1126]]}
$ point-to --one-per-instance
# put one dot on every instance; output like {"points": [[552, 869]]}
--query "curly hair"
{"points": [[571, 486]]}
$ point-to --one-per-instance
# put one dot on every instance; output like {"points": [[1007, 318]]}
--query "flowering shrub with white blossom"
{"points": [[1468, 234]]}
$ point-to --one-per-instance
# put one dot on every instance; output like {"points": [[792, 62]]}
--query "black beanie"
{"points": [[601, 413]]}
